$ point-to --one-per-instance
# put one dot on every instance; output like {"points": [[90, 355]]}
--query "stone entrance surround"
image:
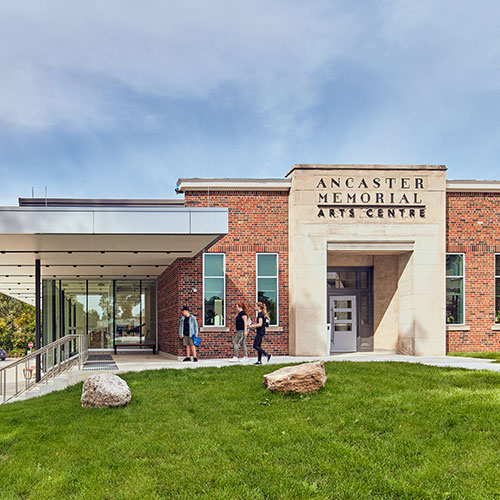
{"points": [[390, 216]]}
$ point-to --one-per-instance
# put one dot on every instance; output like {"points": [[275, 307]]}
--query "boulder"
{"points": [[103, 391], [304, 378]]}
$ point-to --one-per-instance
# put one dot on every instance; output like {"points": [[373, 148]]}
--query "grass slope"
{"points": [[378, 430]]}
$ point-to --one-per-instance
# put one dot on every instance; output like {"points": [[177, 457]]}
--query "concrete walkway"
{"points": [[139, 362]]}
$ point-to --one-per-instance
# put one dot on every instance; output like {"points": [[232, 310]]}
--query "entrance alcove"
{"points": [[378, 286]]}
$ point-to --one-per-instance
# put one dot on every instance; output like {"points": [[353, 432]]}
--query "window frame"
{"points": [[277, 284], [496, 276], [463, 279], [224, 286]]}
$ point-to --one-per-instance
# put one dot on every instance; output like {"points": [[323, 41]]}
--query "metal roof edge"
{"points": [[470, 185], [228, 184], [99, 202]]}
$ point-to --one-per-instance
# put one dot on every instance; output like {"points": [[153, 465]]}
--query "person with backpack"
{"points": [[188, 329], [260, 330]]}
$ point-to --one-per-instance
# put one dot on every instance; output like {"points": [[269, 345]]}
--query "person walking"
{"points": [[188, 329], [241, 331], [260, 331]]}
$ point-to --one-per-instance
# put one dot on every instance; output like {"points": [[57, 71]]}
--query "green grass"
{"points": [[485, 355], [377, 430]]}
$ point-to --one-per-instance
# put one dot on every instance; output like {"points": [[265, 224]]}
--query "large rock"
{"points": [[103, 391], [307, 377]]}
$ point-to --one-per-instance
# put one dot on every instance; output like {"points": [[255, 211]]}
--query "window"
{"points": [[267, 284], [497, 289], [214, 289], [455, 289], [342, 279]]}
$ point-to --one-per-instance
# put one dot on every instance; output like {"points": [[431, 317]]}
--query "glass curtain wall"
{"points": [[72, 308], [135, 302], [128, 312], [100, 314], [109, 311]]}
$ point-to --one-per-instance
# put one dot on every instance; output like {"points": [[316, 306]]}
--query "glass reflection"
{"points": [[454, 301], [497, 300], [342, 279], [99, 312], [148, 311]]}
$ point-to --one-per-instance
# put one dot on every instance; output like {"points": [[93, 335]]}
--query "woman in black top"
{"points": [[260, 331], [241, 330]]}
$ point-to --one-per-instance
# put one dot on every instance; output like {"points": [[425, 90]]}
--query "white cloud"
{"points": [[69, 52]]}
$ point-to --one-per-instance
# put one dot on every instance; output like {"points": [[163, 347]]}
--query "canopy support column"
{"points": [[38, 317]]}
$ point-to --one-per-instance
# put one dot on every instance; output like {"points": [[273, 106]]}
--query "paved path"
{"points": [[449, 361], [139, 362]]}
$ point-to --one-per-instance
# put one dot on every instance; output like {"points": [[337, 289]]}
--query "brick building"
{"points": [[258, 226], [346, 257], [473, 242]]}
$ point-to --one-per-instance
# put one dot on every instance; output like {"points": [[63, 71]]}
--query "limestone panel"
{"points": [[347, 260], [385, 301]]}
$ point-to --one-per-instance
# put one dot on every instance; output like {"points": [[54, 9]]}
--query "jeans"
{"points": [[257, 346], [238, 340]]}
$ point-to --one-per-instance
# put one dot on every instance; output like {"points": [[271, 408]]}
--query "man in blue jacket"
{"points": [[188, 329]]}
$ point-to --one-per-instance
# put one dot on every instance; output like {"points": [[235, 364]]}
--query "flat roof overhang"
{"points": [[97, 242]]}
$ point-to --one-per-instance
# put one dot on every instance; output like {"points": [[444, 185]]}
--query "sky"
{"points": [[121, 98]]}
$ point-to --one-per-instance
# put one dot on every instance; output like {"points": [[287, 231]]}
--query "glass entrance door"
{"points": [[128, 328], [135, 312], [343, 318]]}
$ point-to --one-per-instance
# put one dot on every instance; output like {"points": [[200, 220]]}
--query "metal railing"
{"points": [[55, 358]]}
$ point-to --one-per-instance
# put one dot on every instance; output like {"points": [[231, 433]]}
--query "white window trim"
{"points": [[495, 256], [463, 278], [203, 287], [277, 283]]}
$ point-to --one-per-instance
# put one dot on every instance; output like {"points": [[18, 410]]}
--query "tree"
{"points": [[17, 325]]}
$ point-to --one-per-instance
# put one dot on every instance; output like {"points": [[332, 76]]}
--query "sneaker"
{"points": [[195, 360], [268, 357], [258, 363], [234, 359], [186, 359]]}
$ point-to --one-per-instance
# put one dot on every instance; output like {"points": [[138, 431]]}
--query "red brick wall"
{"points": [[258, 222], [473, 228], [175, 287]]}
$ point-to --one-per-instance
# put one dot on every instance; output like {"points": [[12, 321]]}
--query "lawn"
{"points": [[377, 430]]}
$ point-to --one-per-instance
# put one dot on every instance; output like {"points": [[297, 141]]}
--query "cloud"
{"points": [[156, 89], [74, 55]]}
